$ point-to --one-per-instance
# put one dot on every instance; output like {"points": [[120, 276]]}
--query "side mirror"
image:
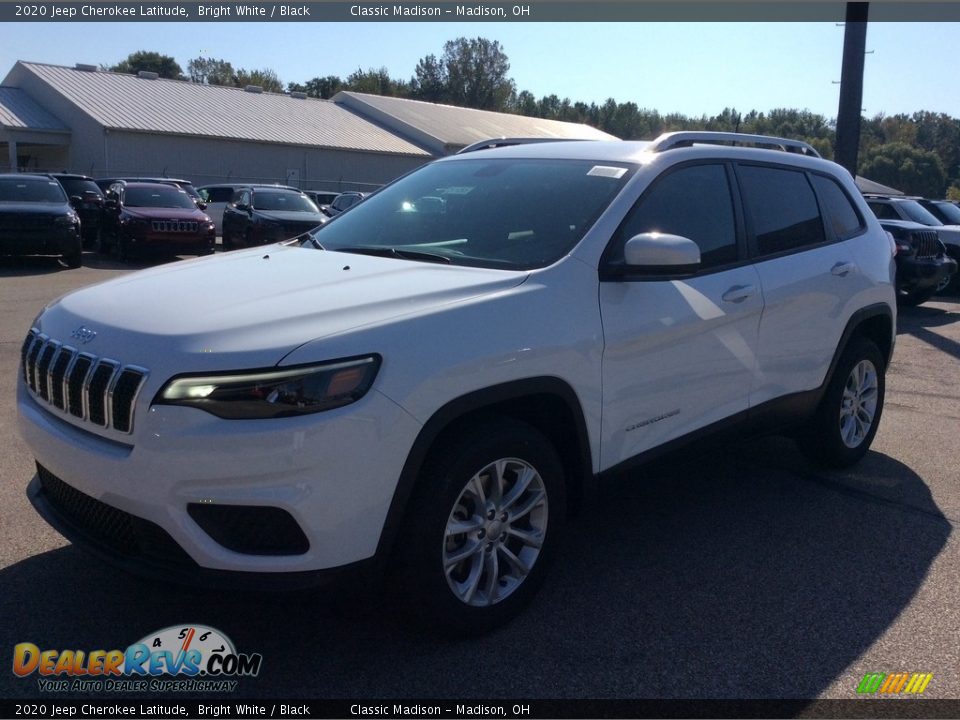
{"points": [[202, 205], [76, 201], [111, 204], [661, 254]]}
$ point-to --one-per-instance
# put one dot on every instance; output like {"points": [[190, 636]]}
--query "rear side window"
{"points": [[216, 195], [781, 208], [693, 202], [884, 211], [842, 216]]}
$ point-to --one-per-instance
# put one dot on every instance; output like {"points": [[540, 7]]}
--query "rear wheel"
{"points": [[481, 528], [845, 423]]}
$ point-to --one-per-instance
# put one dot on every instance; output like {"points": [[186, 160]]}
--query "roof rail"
{"points": [[686, 138], [506, 142]]}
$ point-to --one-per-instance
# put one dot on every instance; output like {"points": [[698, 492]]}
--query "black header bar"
{"points": [[530, 11]]}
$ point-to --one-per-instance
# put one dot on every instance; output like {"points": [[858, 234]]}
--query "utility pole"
{"points": [[851, 86]]}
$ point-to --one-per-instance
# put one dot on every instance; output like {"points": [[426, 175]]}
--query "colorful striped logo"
{"points": [[895, 683]]}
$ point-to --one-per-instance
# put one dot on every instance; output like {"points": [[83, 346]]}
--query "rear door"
{"points": [[799, 225]]}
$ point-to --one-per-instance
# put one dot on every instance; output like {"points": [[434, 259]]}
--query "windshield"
{"points": [[269, 200], [165, 196], [31, 190], [80, 186], [916, 212], [949, 212], [508, 213]]}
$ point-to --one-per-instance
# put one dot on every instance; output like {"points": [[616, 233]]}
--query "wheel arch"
{"points": [[548, 404], [875, 323]]}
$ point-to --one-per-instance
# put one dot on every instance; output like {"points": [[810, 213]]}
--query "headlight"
{"points": [[275, 393], [66, 220]]}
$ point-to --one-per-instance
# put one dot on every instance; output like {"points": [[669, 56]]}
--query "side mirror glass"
{"points": [[661, 254]]}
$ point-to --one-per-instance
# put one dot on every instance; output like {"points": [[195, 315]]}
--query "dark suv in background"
{"points": [[263, 214], [923, 266], [36, 218], [90, 206]]}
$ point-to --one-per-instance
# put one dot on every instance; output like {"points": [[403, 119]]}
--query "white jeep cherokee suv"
{"points": [[421, 388]]}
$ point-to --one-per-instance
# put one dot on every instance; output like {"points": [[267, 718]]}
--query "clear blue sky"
{"points": [[691, 68]]}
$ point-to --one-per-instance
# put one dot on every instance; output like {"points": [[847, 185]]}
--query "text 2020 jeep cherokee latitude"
{"points": [[422, 385]]}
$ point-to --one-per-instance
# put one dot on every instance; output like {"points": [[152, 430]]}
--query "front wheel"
{"points": [[481, 528], [846, 421]]}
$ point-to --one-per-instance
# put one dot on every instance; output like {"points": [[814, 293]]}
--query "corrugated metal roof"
{"points": [[18, 110], [462, 126], [127, 102]]}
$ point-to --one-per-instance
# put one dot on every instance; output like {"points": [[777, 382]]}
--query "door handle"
{"points": [[842, 269], [738, 293]]}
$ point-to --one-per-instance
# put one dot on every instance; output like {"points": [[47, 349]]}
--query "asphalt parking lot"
{"points": [[734, 571]]}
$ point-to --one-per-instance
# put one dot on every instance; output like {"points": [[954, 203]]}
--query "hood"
{"points": [[160, 213], [34, 208], [250, 308]]}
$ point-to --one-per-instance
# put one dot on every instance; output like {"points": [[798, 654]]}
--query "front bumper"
{"points": [[335, 473], [52, 242], [921, 274]]}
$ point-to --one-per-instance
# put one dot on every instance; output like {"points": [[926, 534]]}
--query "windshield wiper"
{"points": [[404, 253]]}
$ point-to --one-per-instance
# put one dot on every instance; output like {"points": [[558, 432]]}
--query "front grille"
{"points": [[27, 223], [98, 390], [174, 226], [926, 243], [103, 523], [110, 527]]}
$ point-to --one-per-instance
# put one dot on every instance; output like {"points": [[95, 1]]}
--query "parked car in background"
{"points": [[911, 209], [218, 196], [321, 198], [37, 218], [344, 201], [140, 217], [923, 266], [90, 206], [184, 185], [259, 215]]}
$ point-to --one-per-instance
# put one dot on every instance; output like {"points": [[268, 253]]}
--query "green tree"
{"points": [[164, 65], [265, 78], [429, 81], [210, 71], [471, 73], [318, 87], [915, 171], [376, 82]]}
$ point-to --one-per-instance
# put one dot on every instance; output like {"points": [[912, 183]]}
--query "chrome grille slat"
{"points": [[174, 226], [98, 390]]}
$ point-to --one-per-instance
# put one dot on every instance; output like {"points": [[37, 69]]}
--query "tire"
{"points": [[467, 558], [917, 297], [846, 421], [951, 286], [74, 259], [120, 249]]}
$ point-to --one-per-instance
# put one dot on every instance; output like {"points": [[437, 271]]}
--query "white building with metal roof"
{"points": [[100, 123]]}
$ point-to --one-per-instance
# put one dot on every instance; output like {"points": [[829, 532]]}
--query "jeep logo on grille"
{"points": [[83, 334]]}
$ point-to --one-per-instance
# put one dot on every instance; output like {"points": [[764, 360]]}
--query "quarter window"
{"points": [[694, 202], [782, 209], [841, 215]]}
